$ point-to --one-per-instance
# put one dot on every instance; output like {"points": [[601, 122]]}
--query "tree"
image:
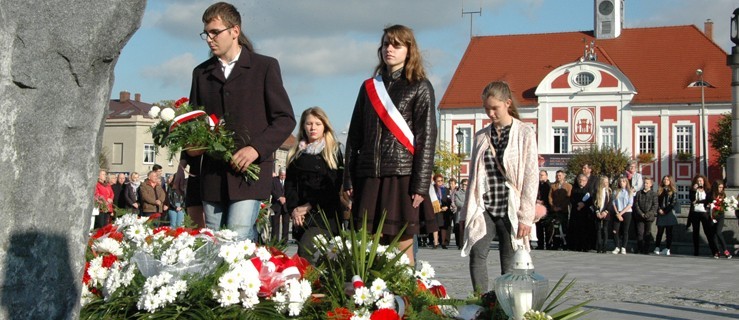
{"points": [[607, 161], [446, 161], [720, 138], [103, 157]]}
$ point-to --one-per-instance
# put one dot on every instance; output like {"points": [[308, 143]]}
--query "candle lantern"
{"points": [[522, 289]]}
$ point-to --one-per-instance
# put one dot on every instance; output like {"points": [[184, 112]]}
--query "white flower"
{"points": [[248, 301], [251, 285], [226, 297], [247, 247], [185, 256], [229, 280], [230, 253], [159, 291], [226, 235], [137, 233], [362, 296], [108, 245], [167, 114], [386, 301], [378, 287], [426, 272], [404, 260], [86, 296], [361, 314], [96, 271], [263, 254], [154, 112]]}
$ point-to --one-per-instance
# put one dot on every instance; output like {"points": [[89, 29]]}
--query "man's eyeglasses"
{"points": [[212, 34]]}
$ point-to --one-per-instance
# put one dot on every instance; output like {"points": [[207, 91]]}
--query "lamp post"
{"points": [[732, 164], [704, 128], [460, 136]]}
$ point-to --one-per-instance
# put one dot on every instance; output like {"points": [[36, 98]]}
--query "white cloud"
{"points": [[175, 72], [321, 56]]}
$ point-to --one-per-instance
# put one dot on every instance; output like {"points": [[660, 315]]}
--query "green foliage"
{"points": [[555, 299], [610, 162], [446, 161], [720, 138], [103, 158]]}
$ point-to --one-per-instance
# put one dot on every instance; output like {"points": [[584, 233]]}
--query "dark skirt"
{"points": [[374, 197]]}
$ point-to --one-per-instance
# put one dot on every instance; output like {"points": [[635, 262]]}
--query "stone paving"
{"points": [[627, 286]]}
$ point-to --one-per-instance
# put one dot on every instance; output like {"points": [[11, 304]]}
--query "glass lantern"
{"points": [[522, 289]]}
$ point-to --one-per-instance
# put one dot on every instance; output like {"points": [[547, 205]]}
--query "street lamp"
{"points": [[732, 163], [460, 136], [704, 128]]}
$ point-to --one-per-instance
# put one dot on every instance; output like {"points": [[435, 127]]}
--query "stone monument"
{"points": [[56, 71]]}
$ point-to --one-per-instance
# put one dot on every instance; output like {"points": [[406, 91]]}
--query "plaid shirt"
{"points": [[496, 200]]}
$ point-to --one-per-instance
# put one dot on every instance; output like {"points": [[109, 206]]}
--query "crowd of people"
{"points": [[582, 216]]}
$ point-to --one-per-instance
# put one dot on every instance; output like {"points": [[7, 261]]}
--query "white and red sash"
{"points": [[212, 119], [388, 113]]}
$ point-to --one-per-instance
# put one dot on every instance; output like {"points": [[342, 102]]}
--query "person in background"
{"points": [[701, 197], [176, 204], [645, 212], [504, 154], [187, 180], [635, 177], [559, 197], [388, 170], [666, 218], [443, 217], [581, 202], [131, 194], [160, 173], [280, 220], [103, 200], [153, 198], [119, 189], [602, 207], [452, 189], [717, 217], [314, 180], [623, 201], [459, 197], [544, 227]]}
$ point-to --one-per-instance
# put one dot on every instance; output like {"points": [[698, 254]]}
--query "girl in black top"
{"points": [[314, 180]]}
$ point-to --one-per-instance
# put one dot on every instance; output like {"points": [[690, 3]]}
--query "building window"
{"points": [[684, 139], [646, 140], [584, 78], [608, 137], [466, 141], [117, 157], [150, 152], [560, 140], [683, 195]]}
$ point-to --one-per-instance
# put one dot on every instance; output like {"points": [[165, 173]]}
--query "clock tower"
{"points": [[609, 18]]}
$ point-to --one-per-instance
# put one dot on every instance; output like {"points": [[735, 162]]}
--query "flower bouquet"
{"points": [[134, 270], [721, 205], [363, 279], [185, 127]]}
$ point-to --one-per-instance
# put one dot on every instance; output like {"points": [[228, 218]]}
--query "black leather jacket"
{"points": [[373, 151]]}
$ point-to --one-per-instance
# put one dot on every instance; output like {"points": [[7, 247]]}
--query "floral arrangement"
{"points": [[721, 205], [182, 126], [135, 270]]}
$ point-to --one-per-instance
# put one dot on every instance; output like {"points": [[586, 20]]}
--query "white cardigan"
{"points": [[520, 162]]}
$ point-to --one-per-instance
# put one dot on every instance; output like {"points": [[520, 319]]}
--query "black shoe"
{"points": [[444, 247], [436, 246]]}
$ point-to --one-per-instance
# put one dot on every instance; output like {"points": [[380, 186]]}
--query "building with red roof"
{"points": [[636, 89]]}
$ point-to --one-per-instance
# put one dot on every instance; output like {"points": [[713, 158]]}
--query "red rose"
{"points": [[384, 314]]}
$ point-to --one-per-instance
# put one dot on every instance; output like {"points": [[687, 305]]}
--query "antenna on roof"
{"points": [[479, 12]]}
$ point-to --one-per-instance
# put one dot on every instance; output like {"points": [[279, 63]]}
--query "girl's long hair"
{"points": [[602, 187], [706, 184], [670, 189], [628, 185], [402, 35], [331, 149]]}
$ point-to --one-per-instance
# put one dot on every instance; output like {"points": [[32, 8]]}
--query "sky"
{"points": [[326, 48]]}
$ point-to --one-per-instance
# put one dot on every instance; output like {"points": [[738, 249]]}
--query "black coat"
{"points": [[310, 180], [278, 190], [255, 106], [382, 155]]}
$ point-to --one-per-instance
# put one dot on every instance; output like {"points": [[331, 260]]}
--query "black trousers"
{"points": [[695, 219], [280, 220]]}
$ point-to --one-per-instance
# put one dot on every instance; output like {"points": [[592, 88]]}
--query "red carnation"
{"points": [[384, 314], [86, 276], [108, 260], [339, 314], [164, 229]]}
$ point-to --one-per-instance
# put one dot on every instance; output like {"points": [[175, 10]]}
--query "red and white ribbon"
{"points": [[388, 112], [357, 282], [178, 120]]}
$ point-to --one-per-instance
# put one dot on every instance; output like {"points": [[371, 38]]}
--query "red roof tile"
{"points": [[660, 62]]}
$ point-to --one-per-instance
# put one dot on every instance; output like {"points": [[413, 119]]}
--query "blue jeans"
{"points": [[241, 217], [176, 218]]}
